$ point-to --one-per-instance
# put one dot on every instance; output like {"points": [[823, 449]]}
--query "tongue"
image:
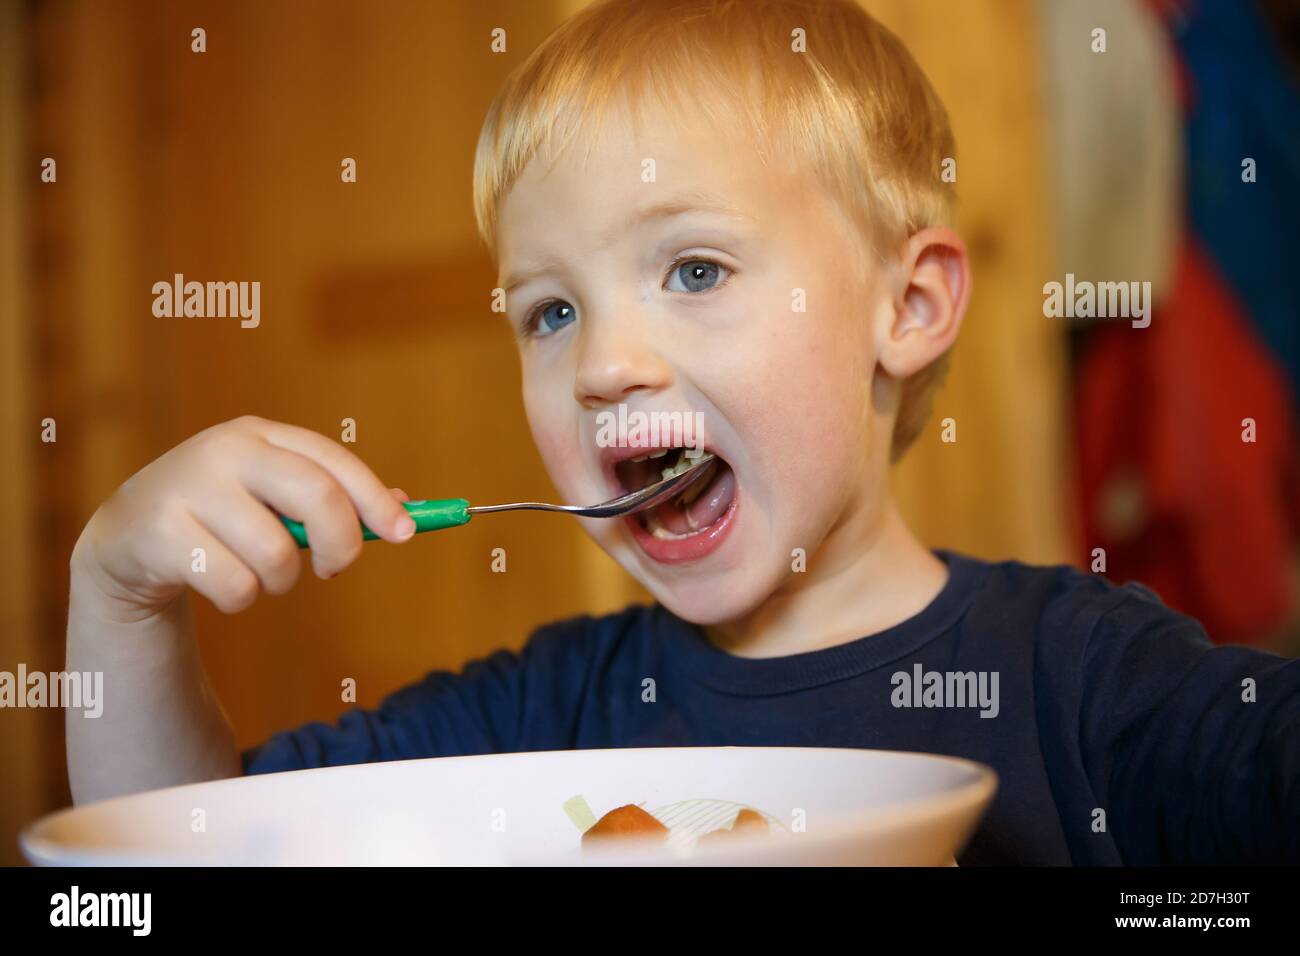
{"points": [[711, 504]]}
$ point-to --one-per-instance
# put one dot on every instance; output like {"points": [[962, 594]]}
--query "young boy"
{"points": [[731, 213]]}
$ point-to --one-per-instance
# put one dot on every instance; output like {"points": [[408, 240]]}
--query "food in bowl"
{"points": [[748, 823], [631, 822], [625, 822]]}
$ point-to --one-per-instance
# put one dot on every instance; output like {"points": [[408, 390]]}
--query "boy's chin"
{"points": [[709, 599], [704, 592]]}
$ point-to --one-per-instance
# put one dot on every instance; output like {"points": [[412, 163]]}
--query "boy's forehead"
{"points": [[598, 182]]}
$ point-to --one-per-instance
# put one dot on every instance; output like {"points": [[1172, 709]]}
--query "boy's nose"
{"points": [[615, 360]]}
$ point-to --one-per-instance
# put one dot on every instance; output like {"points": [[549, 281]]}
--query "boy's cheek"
{"points": [[556, 442], [561, 456]]}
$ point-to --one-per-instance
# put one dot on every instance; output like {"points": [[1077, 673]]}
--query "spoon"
{"points": [[451, 512]]}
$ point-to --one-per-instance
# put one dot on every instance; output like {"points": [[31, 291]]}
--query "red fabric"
{"points": [[1218, 519]]}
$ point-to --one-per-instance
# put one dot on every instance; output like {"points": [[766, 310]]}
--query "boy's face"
{"points": [[764, 325]]}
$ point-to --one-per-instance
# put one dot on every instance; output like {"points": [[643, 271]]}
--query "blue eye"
{"points": [[687, 275], [551, 317], [695, 275]]}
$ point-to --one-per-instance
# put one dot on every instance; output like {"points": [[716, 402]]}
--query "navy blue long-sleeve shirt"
{"points": [[1120, 734]]}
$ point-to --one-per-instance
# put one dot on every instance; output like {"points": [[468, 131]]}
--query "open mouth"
{"points": [[696, 511]]}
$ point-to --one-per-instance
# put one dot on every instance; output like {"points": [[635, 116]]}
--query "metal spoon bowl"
{"points": [[628, 504]]}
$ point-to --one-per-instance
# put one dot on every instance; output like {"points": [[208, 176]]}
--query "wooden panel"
{"points": [[32, 767], [422, 299], [1001, 490]]}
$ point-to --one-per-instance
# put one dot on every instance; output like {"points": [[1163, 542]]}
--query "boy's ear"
{"points": [[933, 289]]}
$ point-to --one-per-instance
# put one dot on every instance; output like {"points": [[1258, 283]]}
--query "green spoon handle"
{"points": [[428, 515]]}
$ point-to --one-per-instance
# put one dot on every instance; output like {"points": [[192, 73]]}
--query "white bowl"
{"points": [[825, 807]]}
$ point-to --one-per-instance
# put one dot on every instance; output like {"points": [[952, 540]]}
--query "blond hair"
{"points": [[855, 108]]}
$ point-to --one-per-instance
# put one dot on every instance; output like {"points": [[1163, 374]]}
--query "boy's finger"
{"points": [[257, 538], [195, 556], [377, 507], [299, 488], [399, 494]]}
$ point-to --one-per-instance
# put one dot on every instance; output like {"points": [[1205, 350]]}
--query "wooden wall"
{"points": [[1000, 490]]}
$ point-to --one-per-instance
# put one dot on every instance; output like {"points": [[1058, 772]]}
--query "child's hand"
{"points": [[216, 491]]}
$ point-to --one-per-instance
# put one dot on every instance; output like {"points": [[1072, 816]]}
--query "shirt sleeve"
{"points": [[1195, 748], [445, 714]]}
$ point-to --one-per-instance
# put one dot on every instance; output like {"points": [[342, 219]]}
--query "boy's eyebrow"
{"points": [[664, 209], [528, 275], [677, 206]]}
